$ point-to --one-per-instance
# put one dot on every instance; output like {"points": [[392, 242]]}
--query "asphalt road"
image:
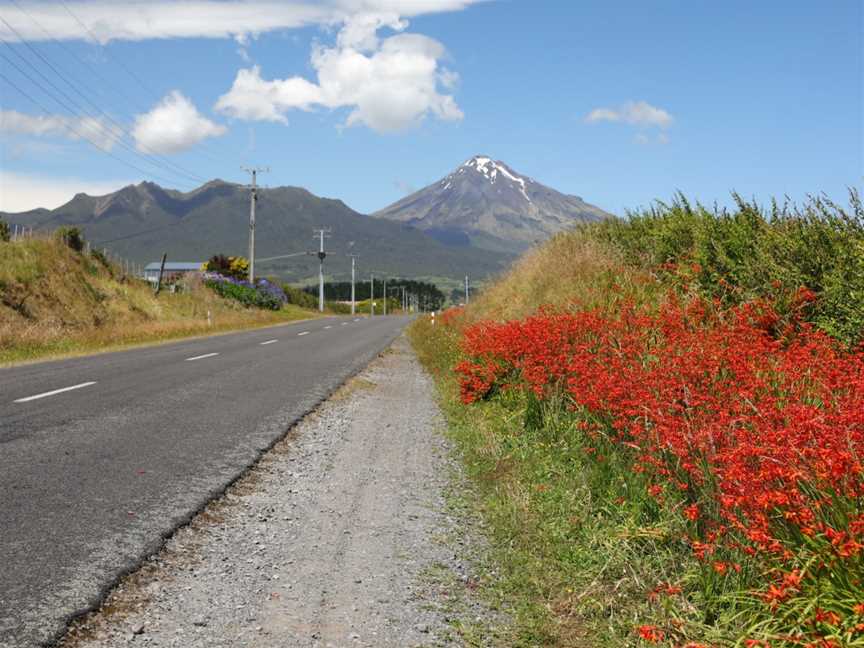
{"points": [[101, 457]]}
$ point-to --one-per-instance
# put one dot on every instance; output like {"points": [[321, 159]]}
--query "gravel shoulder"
{"points": [[343, 534]]}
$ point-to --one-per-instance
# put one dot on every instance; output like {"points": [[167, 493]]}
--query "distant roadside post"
{"points": [[353, 300]]}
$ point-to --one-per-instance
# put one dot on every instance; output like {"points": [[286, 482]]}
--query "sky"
{"points": [[621, 103]]}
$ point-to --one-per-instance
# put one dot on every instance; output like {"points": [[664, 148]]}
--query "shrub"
{"points": [[5, 234], [71, 236], [299, 297], [265, 295], [228, 266]]}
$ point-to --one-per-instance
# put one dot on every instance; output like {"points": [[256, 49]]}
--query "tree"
{"points": [[5, 235]]}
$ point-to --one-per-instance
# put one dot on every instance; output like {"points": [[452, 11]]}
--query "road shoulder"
{"points": [[344, 534]]}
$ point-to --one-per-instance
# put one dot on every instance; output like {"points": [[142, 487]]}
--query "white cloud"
{"points": [[174, 125], [22, 192], [134, 20], [97, 130], [639, 113], [388, 84]]}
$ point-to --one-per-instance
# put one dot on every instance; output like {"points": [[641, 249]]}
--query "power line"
{"points": [[154, 159], [72, 129], [153, 94]]}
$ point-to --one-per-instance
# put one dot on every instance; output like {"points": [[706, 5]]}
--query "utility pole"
{"points": [[466, 290], [371, 294], [385, 295], [254, 171], [353, 301], [321, 256]]}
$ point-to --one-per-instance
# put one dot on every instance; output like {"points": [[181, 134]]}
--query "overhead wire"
{"points": [[153, 94], [153, 159], [68, 126]]}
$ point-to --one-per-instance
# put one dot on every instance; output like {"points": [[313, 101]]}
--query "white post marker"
{"points": [[433, 318]]}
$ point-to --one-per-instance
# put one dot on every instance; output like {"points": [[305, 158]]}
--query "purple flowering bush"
{"points": [[264, 294]]}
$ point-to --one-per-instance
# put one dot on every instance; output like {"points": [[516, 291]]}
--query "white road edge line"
{"points": [[304, 333], [269, 342], [201, 357], [56, 391]]}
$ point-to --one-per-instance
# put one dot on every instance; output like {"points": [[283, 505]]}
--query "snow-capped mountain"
{"points": [[486, 203]]}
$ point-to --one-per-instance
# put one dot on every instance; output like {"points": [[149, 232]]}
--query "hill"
{"points": [[54, 300], [487, 204], [140, 222]]}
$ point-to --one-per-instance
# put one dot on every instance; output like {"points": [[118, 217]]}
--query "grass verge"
{"points": [[57, 302]]}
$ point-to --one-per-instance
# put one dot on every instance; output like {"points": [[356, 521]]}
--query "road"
{"points": [[101, 457]]}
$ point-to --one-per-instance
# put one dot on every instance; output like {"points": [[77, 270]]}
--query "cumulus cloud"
{"points": [[389, 85], [174, 125], [22, 192], [107, 20], [639, 113], [98, 131]]}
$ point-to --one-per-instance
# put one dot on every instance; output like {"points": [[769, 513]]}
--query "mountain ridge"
{"points": [[142, 221]]}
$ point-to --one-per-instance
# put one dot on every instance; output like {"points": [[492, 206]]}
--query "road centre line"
{"points": [[269, 342], [52, 393], [304, 333], [344, 323], [327, 327], [201, 357]]}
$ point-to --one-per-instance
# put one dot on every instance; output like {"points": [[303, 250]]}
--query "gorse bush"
{"points": [[5, 234], [750, 252]]}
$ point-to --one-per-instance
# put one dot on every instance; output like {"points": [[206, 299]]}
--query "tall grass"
{"points": [[750, 252]]}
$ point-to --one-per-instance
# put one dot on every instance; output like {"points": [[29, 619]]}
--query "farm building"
{"points": [[151, 270]]}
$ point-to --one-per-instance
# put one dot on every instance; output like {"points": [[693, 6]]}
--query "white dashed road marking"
{"points": [[201, 357], [344, 323], [269, 342], [56, 391], [304, 333], [327, 327]]}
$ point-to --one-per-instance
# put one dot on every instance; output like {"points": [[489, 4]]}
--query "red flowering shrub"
{"points": [[749, 424]]}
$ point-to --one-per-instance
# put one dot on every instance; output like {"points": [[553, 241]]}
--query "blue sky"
{"points": [[621, 103]]}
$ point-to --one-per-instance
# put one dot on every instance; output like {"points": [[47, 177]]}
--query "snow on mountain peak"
{"points": [[490, 169]]}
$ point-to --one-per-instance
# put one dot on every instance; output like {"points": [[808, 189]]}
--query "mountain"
{"points": [[487, 204], [140, 222]]}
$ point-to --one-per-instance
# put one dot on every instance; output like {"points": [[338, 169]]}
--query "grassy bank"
{"points": [[55, 301], [666, 444]]}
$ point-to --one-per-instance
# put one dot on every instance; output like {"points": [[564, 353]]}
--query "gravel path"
{"points": [[340, 536]]}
